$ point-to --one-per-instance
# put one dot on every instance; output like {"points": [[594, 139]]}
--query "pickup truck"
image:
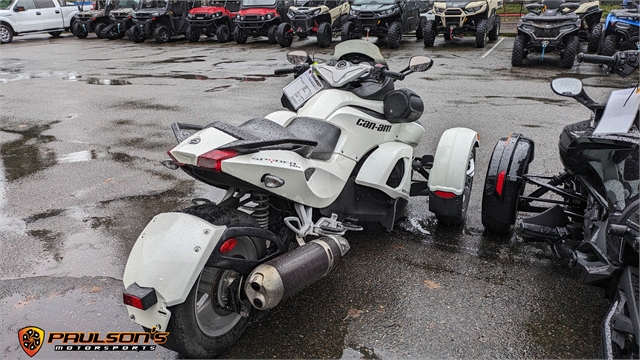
{"points": [[18, 17]]}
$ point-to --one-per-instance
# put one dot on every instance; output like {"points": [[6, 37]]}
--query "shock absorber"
{"points": [[261, 210]]}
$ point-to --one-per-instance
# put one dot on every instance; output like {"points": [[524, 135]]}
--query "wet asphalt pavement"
{"points": [[84, 124]]}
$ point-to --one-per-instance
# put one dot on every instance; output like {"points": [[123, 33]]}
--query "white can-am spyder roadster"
{"points": [[296, 181]]}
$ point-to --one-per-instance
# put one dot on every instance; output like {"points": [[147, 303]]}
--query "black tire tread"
{"points": [[324, 35], [394, 35], [429, 33], [481, 33], [517, 54], [570, 51], [494, 33], [609, 45], [283, 36], [594, 38]]}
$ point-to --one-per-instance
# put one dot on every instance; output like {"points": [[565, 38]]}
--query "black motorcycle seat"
{"points": [[320, 135]]}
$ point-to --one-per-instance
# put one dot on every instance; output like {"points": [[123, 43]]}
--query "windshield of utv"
{"points": [[258, 3], [154, 4], [373, 2], [121, 4]]}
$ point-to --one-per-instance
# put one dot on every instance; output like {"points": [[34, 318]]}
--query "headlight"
{"points": [[353, 12], [261, 17], [291, 13], [218, 14], [439, 10], [315, 12], [388, 11], [528, 28], [269, 16], [190, 16], [242, 18], [473, 9]]}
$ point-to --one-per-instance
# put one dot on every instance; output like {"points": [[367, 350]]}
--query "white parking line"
{"points": [[490, 50]]}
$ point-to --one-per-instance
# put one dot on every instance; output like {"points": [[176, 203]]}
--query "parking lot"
{"points": [[85, 123]]}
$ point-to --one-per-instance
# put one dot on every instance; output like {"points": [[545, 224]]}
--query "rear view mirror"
{"points": [[567, 86], [18, 8], [297, 57], [420, 63]]}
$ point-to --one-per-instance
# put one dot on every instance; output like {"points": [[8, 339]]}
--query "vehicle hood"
{"points": [[373, 7], [91, 13], [452, 4], [122, 11], [150, 11], [208, 10], [305, 9], [256, 11], [5, 12]]}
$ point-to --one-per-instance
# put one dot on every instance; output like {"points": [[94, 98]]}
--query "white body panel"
{"points": [[450, 161], [57, 18], [372, 174], [168, 256]]}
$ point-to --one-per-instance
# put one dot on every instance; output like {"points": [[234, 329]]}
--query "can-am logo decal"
{"points": [[373, 126]]}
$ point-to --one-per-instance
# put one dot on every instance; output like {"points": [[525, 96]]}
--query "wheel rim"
{"points": [[213, 316], [4, 34]]}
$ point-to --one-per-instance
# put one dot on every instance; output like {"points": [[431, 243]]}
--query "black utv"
{"points": [[550, 26], [384, 19], [259, 18], [121, 18], [160, 19], [92, 20]]}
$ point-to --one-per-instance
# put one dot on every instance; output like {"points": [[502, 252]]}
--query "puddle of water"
{"points": [[181, 60], [17, 76], [98, 81], [218, 88], [24, 157]]}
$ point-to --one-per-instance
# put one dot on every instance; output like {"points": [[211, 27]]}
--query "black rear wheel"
{"points": [[162, 34], [284, 35], [348, 31], [394, 35], [79, 30], [324, 35], [481, 33], [429, 33], [193, 35], [609, 45], [223, 34], [571, 45], [205, 325], [494, 33], [99, 29], [55, 34], [240, 35], [594, 38], [517, 54], [420, 28], [271, 34]]}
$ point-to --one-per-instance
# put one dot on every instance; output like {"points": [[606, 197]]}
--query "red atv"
{"points": [[214, 17], [259, 18]]}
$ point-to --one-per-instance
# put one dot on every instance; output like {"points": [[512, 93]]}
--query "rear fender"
{"points": [[168, 257], [450, 161]]}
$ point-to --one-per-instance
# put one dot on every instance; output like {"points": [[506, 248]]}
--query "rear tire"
{"points": [[200, 327], [348, 31], [594, 38], [429, 33], [110, 32], [162, 34], [570, 51], [420, 28], [517, 54], [394, 35], [494, 33], [240, 35], [137, 35], [6, 34], [99, 29], [324, 35], [466, 194], [271, 34], [284, 36], [481, 33], [223, 34], [193, 35], [609, 45]]}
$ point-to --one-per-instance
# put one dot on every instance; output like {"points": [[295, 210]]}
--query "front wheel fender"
{"points": [[450, 162]]}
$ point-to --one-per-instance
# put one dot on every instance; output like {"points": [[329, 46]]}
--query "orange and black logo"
{"points": [[31, 339]]}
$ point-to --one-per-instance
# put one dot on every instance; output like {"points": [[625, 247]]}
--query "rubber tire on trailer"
{"points": [[79, 31], [186, 328], [6, 34], [271, 34], [517, 54], [55, 34], [609, 45], [348, 31], [324, 35], [494, 33], [394, 35], [420, 29], [466, 195], [240, 35], [192, 34], [99, 29], [162, 34], [429, 33], [594, 38], [481, 33], [223, 34], [283, 35], [571, 45]]}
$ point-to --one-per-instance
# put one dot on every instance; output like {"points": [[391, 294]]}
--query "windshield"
{"points": [[4, 4], [249, 3], [358, 47], [374, 2], [151, 4], [119, 4]]}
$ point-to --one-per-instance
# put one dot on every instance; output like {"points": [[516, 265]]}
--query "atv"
{"points": [[620, 31], [160, 19], [551, 25], [259, 18], [455, 18], [590, 26], [93, 20], [320, 17], [214, 17], [385, 19], [120, 18]]}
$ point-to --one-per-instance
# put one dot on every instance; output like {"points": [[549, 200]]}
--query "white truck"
{"points": [[19, 17]]}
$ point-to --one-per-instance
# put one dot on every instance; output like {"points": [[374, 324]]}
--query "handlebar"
{"points": [[622, 63], [393, 74], [596, 59], [298, 69]]}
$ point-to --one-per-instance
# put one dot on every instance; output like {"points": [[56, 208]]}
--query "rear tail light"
{"points": [[139, 297], [228, 245], [500, 182], [444, 194], [213, 159]]}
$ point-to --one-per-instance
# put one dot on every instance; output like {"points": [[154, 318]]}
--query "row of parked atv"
{"points": [[278, 20], [559, 25]]}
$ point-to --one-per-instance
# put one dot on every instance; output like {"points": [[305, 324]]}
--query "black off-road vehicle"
{"points": [[320, 17], [459, 18], [92, 20], [550, 25], [160, 19], [121, 19], [259, 18], [385, 19], [214, 17]]}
